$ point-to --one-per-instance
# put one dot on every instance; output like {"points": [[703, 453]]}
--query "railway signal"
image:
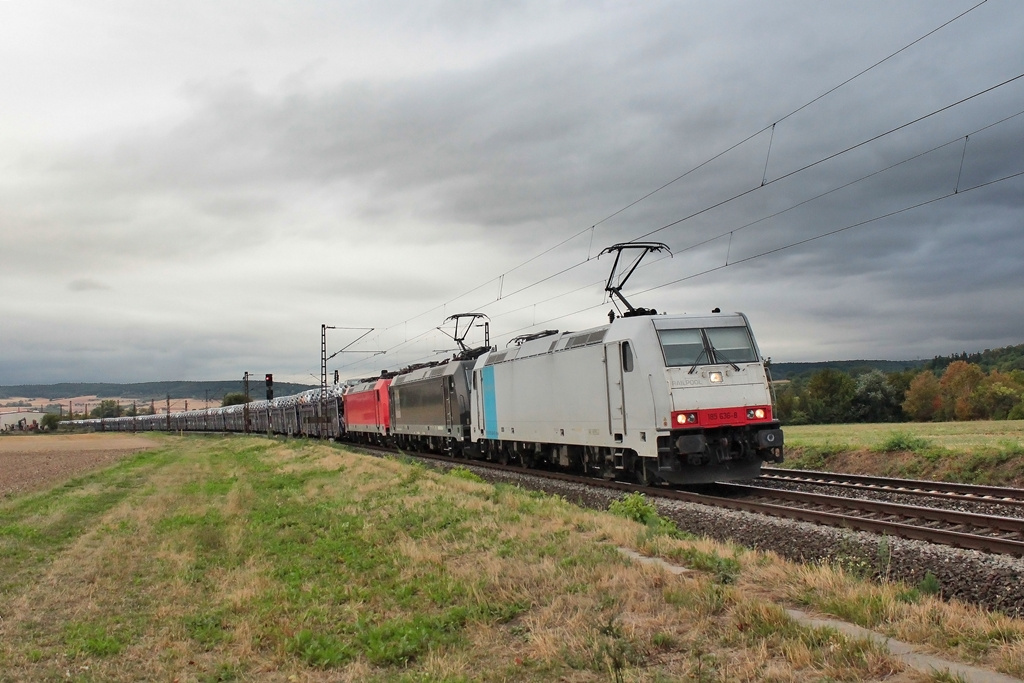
{"points": [[270, 387]]}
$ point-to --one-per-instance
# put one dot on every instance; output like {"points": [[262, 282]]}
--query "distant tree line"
{"points": [[1006, 359], [981, 386], [111, 408]]}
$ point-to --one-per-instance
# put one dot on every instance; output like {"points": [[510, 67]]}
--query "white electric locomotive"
{"points": [[680, 399]]}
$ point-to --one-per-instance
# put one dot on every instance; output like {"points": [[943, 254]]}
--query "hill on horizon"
{"points": [[1004, 359], [782, 371]]}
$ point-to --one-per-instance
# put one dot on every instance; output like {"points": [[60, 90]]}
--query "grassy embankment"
{"points": [[236, 558], [983, 452]]}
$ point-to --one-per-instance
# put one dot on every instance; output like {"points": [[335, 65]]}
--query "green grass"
{"points": [[956, 436], [34, 527], [637, 507], [227, 558], [336, 585], [90, 639], [981, 452], [903, 441]]}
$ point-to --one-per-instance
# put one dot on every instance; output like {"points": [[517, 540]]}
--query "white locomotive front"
{"points": [[680, 399]]}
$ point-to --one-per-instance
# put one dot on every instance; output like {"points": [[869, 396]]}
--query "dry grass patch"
{"points": [[248, 558], [950, 629]]}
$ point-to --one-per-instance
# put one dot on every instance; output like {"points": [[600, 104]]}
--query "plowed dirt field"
{"points": [[32, 462]]}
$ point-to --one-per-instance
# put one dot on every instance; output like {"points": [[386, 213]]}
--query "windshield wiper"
{"points": [[717, 357], [696, 361]]}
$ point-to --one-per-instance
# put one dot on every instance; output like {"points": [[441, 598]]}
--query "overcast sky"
{"points": [[189, 189]]}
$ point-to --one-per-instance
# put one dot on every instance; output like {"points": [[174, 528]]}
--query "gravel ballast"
{"points": [[990, 581]]}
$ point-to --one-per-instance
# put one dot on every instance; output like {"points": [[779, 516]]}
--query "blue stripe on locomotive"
{"points": [[490, 404]]}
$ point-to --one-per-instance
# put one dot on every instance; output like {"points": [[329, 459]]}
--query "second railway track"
{"points": [[950, 491], [987, 533]]}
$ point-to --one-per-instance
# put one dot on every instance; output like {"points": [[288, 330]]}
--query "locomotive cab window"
{"points": [[627, 357], [707, 346], [682, 347], [731, 344]]}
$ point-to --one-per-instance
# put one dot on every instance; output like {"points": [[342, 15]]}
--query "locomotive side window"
{"points": [[682, 347], [627, 357], [731, 344]]}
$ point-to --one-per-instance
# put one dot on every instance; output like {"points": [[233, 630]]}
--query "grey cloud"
{"points": [[509, 152], [86, 285]]}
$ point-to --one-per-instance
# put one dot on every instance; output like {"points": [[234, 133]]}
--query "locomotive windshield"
{"points": [[708, 345], [682, 347]]}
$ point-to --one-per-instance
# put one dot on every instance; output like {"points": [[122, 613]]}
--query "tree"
{"points": [[830, 396], [876, 399], [901, 380], [787, 404], [108, 408], [50, 421], [922, 401], [234, 399], [996, 395], [957, 384]]}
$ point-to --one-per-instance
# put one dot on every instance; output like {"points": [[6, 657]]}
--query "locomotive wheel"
{"points": [[527, 459], [645, 476]]}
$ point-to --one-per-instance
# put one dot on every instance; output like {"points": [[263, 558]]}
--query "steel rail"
{"points": [[954, 517], [1003, 495], [987, 544]]}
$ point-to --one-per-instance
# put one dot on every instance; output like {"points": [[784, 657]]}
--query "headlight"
{"points": [[686, 418], [755, 413], [716, 377]]}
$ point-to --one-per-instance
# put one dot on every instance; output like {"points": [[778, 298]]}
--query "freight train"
{"points": [[679, 399]]}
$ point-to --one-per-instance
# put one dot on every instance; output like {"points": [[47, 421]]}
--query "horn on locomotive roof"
{"points": [[615, 290]]}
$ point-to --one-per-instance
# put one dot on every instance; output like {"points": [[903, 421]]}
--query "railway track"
{"points": [[966, 493], [986, 533]]}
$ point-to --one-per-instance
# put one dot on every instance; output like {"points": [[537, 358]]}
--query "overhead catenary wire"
{"points": [[805, 168], [862, 178], [732, 231], [833, 155], [791, 245], [501, 278], [687, 173], [830, 233], [836, 231]]}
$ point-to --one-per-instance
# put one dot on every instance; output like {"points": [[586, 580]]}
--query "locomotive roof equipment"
{"points": [[616, 290]]}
